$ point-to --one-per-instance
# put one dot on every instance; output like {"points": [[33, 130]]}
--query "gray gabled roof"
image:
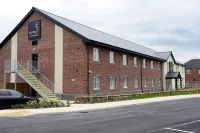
{"points": [[99, 36], [173, 75], [194, 63], [164, 55]]}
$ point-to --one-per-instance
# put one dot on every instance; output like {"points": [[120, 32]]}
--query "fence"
{"points": [[192, 84]]}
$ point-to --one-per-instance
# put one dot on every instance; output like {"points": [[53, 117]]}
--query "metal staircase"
{"points": [[35, 79]]}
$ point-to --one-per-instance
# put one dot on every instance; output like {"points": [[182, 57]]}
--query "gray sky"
{"points": [[164, 25]]}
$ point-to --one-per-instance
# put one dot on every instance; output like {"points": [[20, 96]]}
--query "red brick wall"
{"points": [[105, 69], [194, 74], [45, 47], [5, 54], [74, 65]]}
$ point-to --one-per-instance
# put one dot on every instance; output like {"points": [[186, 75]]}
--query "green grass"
{"points": [[162, 94]]}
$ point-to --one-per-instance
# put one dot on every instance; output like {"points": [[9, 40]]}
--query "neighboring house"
{"points": [[173, 74], [80, 60], [192, 73]]}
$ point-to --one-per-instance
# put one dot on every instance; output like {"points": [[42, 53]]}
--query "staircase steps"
{"points": [[38, 86]]}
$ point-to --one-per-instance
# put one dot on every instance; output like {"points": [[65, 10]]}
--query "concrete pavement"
{"points": [[96, 106]]}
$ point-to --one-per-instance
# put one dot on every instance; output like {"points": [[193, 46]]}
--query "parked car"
{"points": [[12, 97]]}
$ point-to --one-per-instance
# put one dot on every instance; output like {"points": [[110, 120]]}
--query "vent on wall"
{"points": [[35, 42]]}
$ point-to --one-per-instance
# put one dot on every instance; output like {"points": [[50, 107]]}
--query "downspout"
{"points": [[141, 75], [88, 74]]}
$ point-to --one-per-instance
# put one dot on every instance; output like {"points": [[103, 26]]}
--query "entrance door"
{"points": [[35, 61]]}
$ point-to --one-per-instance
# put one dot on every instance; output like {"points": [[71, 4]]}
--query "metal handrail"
{"points": [[28, 72], [35, 70]]}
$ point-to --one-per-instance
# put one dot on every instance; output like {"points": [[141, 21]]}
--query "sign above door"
{"points": [[34, 30]]}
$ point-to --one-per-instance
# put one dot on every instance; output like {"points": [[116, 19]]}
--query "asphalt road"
{"points": [[182, 116]]}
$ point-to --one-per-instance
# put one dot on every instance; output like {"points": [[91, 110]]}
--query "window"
{"points": [[151, 64], [144, 63], [125, 60], [145, 82], [135, 62], [96, 82], [125, 82], [158, 65], [96, 54], [187, 71], [159, 82], [199, 72], [153, 82], [112, 57], [171, 66], [112, 82], [136, 82], [15, 93], [5, 93]]}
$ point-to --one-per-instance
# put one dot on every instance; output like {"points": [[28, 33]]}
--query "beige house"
{"points": [[173, 74]]}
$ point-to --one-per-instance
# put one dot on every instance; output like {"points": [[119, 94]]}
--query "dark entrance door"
{"points": [[35, 61]]}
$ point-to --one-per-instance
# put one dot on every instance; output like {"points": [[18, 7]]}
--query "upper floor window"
{"points": [[144, 63], [112, 82], [151, 64], [96, 82], [135, 61], [171, 66], [96, 54], [112, 57], [158, 65], [125, 82], [125, 59], [187, 71]]}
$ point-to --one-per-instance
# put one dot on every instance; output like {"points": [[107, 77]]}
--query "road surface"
{"points": [[180, 116]]}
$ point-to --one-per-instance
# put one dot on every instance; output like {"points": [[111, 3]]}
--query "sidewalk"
{"points": [[82, 107]]}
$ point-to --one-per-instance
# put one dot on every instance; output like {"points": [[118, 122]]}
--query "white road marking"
{"points": [[179, 130], [183, 124]]}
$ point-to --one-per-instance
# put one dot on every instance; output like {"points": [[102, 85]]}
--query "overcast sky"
{"points": [[164, 25]]}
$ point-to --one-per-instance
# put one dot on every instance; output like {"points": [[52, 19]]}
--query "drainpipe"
{"points": [[141, 76], [88, 74]]}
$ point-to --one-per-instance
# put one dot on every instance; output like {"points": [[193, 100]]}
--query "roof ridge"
{"points": [[164, 52], [93, 28]]}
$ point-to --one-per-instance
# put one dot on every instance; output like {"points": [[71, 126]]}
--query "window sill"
{"points": [[125, 87], [136, 86], [112, 88], [96, 89], [145, 86], [97, 62]]}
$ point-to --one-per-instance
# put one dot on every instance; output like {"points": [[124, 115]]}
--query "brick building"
{"points": [[72, 59], [192, 73]]}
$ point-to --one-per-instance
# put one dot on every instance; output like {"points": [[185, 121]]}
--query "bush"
{"points": [[42, 103]]}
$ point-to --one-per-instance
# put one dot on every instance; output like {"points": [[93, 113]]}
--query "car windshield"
{"points": [[15, 93], [5, 93]]}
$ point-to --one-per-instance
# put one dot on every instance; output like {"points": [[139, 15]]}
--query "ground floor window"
{"points": [[112, 82], [153, 82], [125, 82], [136, 82], [159, 82], [145, 82], [96, 82]]}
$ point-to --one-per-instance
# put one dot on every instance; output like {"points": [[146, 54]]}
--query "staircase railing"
{"points": [[19, 66]]}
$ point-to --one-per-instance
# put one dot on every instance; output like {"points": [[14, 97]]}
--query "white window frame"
{"points": [[187, 71], [112, 82], [136, 82], [125, 82], [96, 83], [112, 57], [152, 65], [158, 65], [144, 63], [159, 82], [125, 60], [153, 82], [145, 82], [135, 62], [96, 54]]}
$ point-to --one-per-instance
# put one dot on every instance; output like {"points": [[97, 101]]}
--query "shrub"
{"points": [[42, 103]]}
